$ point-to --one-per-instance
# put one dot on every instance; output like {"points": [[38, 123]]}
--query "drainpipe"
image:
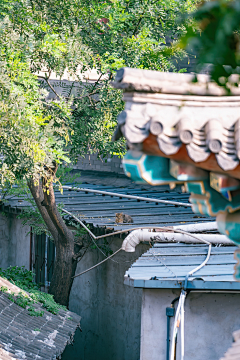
{"points": [[170, 311]]}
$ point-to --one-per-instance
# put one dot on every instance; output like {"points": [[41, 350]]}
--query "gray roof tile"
{"points": [[19, 338]]}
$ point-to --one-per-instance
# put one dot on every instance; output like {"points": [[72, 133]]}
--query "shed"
{"points": [[105, 304], [211, 306]]}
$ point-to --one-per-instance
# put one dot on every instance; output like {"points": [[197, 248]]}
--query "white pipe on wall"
{"points": [[205, 226], [136, 236]]}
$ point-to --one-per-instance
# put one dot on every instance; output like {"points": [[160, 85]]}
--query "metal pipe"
{"points": [[140, 198], [168, 336], [170, 313]]}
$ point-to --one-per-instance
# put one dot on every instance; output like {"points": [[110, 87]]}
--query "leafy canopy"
{"points": [[214, 36], [55, 36]]}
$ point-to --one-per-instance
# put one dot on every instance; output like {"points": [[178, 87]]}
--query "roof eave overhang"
{"points": [[178, 284]]}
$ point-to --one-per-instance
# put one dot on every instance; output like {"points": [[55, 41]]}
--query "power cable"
{"points": [[109, 257]]}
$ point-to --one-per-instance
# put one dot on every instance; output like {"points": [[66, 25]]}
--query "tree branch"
{"points": [[46, 79]]}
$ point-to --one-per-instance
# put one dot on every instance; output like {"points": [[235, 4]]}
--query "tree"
{"points": [[214, 36], [37, 136]]}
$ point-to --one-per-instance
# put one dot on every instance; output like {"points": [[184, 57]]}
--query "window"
{"points": [[42, 259]]}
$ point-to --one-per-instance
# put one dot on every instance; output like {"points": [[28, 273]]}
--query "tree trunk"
{"points": [[65, 263], [64, 270]]}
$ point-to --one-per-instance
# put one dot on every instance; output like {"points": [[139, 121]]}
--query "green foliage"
{"points": [[38, 134], [24, 279], [121, 33], [57, 35], [20, 277], [32, 133], [215, 38]]}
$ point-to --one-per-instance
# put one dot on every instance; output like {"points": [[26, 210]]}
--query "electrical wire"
{"points": [[179, 318], [93, 267], [147, 227], [93, 237]]}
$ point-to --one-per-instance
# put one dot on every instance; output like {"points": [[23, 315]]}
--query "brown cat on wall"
{"points": [[123, 218]]}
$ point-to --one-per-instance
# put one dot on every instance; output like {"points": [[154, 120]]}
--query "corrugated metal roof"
{"points": [[166, 266], [100, 210]]}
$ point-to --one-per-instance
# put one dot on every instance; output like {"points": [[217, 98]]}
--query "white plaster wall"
{"points": [[14, 242], [210, 319], [110, 310]]}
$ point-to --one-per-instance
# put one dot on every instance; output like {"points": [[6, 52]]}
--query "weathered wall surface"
{"points": [[14, 242], [210, 320], [110, 310], [92, 162]]}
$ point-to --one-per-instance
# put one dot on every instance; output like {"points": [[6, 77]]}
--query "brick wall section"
{"points": [[91, 162]]}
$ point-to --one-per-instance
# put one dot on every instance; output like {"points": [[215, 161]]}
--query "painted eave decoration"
{"points": [[181, 128]]}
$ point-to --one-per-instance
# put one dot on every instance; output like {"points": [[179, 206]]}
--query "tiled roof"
{"points": [[30, 337], [100, 210], [168, 114], [166, 266]]}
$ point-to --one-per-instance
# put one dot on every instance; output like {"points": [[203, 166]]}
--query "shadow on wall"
{"points": [[71, 351], [110, 311]]}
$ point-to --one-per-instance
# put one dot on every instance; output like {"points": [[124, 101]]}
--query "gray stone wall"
{"points": [[14, 242], [91, 162], [210, 319]]}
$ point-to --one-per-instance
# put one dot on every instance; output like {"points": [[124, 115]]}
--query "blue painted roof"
{"points": [[166, 266]]}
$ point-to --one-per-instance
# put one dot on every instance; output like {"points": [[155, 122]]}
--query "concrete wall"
{"points": [[210, 319], [14, 242], [110, 310], [91, 162]]}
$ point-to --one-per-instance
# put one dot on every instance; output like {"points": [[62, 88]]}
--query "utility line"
{"points": [[109, 257], [93, 237], [179, 318], [126, 230]]}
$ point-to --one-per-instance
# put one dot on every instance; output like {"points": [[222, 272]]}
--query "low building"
{"points": [[211, 305], [111, 312]]}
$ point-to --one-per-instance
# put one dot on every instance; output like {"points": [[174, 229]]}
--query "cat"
{"points": [[123, 218]]}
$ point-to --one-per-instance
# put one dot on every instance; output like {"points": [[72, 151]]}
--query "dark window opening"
{"points": [[42, 256]]}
